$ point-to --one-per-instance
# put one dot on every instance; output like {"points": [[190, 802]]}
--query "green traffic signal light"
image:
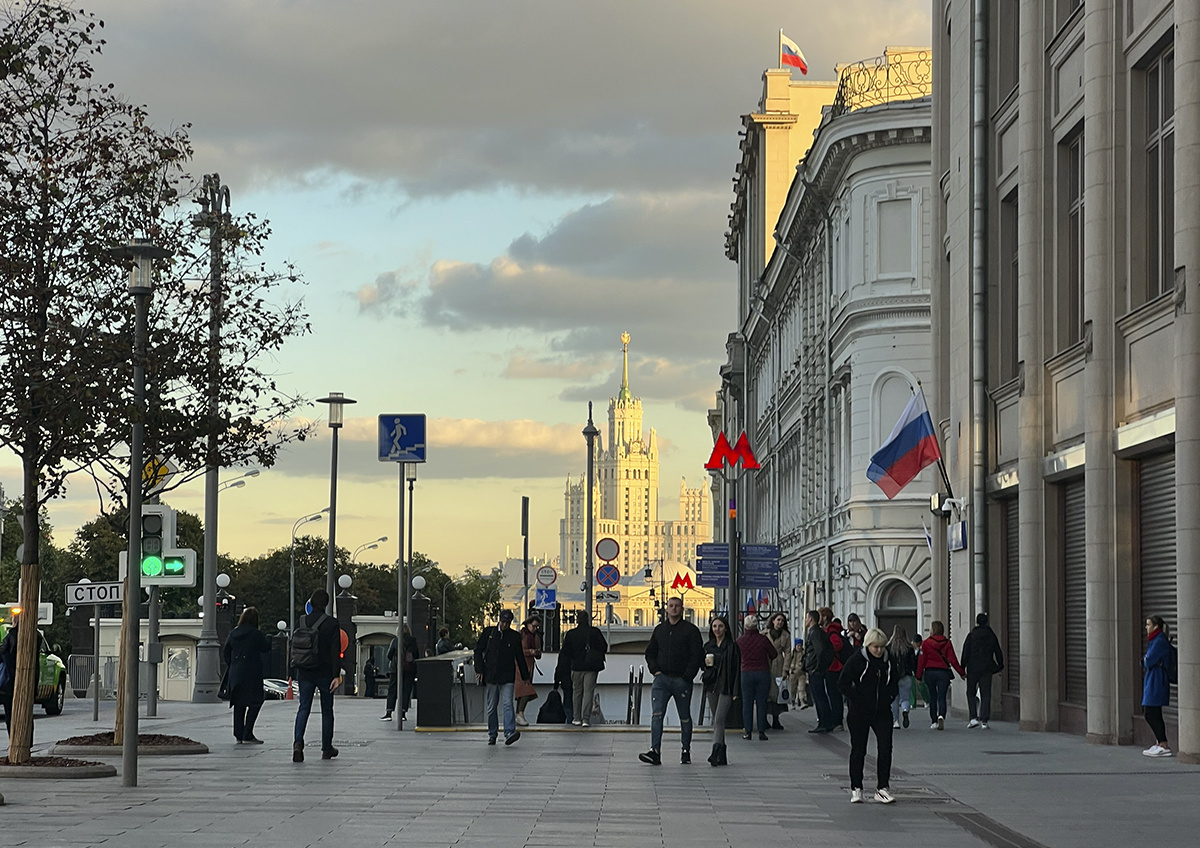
{"points": [[152, 566], [174, 566]]}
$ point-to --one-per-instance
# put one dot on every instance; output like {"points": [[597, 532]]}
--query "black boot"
{"points": [[712, 758], [721, 760]]}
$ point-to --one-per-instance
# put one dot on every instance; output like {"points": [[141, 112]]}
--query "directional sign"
{"points": [[608, 597], [402, 438], [608, 575], [545, 599], [760, 551], [608, 549], [709, 566], [719, 550], [546, 575], [81, 594], [758, 580], [758, 566], [713, 579]]}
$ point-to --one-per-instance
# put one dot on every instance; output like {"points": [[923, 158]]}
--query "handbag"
{"points": [[223, 691], [785, 694]]}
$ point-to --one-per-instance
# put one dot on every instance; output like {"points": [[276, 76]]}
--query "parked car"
{"points": [[276, 690], [52, 676]]}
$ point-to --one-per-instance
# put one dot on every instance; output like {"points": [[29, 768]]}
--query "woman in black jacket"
{"points": [[722, 680], [869, 681], [243, 655]]}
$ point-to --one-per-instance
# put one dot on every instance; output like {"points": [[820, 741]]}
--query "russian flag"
{"points": [[791, 55], [764, 599], [911, 446]]}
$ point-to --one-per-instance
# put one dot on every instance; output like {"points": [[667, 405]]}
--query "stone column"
{"points": [[1038, 690], [1187, 372]]}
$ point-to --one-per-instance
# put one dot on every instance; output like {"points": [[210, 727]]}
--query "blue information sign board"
{"points": [[719, 550], [402, 438]]}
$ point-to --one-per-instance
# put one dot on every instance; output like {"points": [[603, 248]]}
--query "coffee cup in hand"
{"points": [[709, 658]]}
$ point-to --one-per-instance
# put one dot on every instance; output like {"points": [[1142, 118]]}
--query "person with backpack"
{"points": [[402, 674], [901, 650], [981, 657], [244, 649], [584, 647], [870, 682], [317, 666], [933, 666], [1158, 663], [818, 656]]}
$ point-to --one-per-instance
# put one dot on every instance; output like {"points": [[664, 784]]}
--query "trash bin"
{"points": [[435, 686]]}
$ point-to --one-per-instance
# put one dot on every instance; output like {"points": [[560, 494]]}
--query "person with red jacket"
{"points": [[837, 637], [936, 659]]}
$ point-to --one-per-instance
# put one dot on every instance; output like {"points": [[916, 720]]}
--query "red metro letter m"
{"points": [[722, 453]]}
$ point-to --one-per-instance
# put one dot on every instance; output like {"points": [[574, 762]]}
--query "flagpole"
{"points": [[779, 52], [941, 462]]}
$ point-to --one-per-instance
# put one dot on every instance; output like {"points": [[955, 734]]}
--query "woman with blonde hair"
{"points": [[869, 681]]}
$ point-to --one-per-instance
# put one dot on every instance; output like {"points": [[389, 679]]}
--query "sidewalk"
{"points": [[586, 788]]}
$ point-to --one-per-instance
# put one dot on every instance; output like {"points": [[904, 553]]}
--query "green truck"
{"points": [[52, 675]]}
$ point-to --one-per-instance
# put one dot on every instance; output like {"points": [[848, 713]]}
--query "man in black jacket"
{"points": [[323, 676], [981, 658], [818, 655], [498, 656], [674, 656], [584, 648]]}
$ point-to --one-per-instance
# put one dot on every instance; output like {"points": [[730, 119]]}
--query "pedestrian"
{"points": [[531, 647], [855, 630], [722, 680], [922, 691], [796, 678], [837, 638], [1156, 685], [933, 667], [757, 653], [585, 648], [781, 638], [499, 660], [674, 656], [562, 680], [402, 674], [317, 657], [981, 657], [244, 649], [8, 670], [901, 650], [444, 645], [869, 682], [818, 656], [370, 673]]}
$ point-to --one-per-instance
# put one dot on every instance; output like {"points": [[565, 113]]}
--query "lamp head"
{"points": [[223, 580], [345, 580], [418, 582]]}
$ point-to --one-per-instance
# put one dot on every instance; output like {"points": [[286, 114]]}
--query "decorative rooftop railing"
{"points": [[890, 78]]}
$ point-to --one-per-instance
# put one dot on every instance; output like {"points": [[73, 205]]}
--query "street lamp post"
{"points": [[336, 401], [590, 432], [238, 482], [412, 479], [368, 546], [315, 516]]}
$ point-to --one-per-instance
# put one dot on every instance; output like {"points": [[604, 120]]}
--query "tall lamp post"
{"points": [[368, 546], [589, 434], [238, 482], [412, 479], [315, 516], [336, 401]]}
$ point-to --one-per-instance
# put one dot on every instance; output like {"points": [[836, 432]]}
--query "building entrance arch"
{"points": [[896, 603]]}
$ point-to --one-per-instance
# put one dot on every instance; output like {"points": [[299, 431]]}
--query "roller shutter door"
{"points": [[1074, 582], [1012, 597], [1156, 535]]}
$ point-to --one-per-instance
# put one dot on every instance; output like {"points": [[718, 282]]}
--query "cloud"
{"points": [[691, 385], [524, 366]]}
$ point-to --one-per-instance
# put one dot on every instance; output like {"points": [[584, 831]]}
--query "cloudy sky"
{"points": [[482, 197]]}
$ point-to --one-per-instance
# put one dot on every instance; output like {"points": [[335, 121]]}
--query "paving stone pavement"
{"points": [[958, 788]]}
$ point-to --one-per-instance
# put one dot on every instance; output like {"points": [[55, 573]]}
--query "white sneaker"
{"points": [[895, 725], [521, 721], [933, 726], [586, 724], [576, 722], [983, 725], [973, 723], [1157, 751], [884, 797], [941, 723], [856, 796]]}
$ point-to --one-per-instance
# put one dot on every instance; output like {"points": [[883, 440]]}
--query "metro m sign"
{"points": [[722, 453]]}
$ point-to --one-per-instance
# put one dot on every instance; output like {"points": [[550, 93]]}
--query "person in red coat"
{"points": [[933, 668], [837, 638]]}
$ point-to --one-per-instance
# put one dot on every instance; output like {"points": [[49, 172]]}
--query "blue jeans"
{"points": [[903, 699], [938, 681], [663, 690], [307, 689], [495, 693], [820, 698], [755, 686]]}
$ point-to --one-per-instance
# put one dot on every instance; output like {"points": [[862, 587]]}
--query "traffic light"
{"points": [[152, 542], [162, 563]]}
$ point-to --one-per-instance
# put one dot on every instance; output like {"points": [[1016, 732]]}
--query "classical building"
{"points": [[1066, 352], [833, 335], [625, 508]]}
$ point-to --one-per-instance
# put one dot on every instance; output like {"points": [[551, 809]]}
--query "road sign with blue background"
{"points": [[608, 575], [712, 565], [758, 566], [545, 599], [402, 438]]}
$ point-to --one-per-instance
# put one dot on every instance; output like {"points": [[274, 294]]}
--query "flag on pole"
{"points": [[911, 446], [928, 536], [751, 609], [790, 54], [764, 599]]}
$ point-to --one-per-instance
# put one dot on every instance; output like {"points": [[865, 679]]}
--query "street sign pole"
{"points": [[95, 662]]}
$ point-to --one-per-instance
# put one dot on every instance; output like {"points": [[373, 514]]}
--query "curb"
{"points": [[56, 772], [559, 728], [115, 750]]}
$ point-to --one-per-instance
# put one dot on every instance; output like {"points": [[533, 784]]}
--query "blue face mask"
{"points": [[308, 607]]}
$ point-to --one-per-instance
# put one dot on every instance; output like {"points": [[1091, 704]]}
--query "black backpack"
{"points": [[848, 649], [552, 711], [305, 653]]}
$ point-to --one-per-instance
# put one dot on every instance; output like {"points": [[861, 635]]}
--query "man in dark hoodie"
{"points": [[981, 657], [322, 675], [674, 656], [818, 656], [499, 657]]}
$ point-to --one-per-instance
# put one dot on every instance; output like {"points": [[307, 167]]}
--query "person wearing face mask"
{"points": [[869, 682]]}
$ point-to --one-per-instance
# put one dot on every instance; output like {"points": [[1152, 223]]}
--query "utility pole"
{"points": [[214, 215]]}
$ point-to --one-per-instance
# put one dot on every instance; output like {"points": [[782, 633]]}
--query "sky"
{"points": [[481, 198]]}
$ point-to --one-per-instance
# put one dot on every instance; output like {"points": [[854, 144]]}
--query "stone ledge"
{"points": [[115, 750], [57, 772]]}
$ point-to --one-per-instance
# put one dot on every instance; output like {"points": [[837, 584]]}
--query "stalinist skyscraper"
{"points": [[626, 509]]}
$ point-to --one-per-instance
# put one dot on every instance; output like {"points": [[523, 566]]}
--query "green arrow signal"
{"points": [[174, 566]]}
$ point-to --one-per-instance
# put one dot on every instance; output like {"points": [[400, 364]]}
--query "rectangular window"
{"points": [[895, 237], [1070, 282], [1160, 175], [1007, 295]]}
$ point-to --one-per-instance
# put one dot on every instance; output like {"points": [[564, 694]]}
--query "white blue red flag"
{"points": [[790, 55], [911, 447]]}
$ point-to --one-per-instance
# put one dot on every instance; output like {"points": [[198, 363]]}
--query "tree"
{"points": [[81, 171]]}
